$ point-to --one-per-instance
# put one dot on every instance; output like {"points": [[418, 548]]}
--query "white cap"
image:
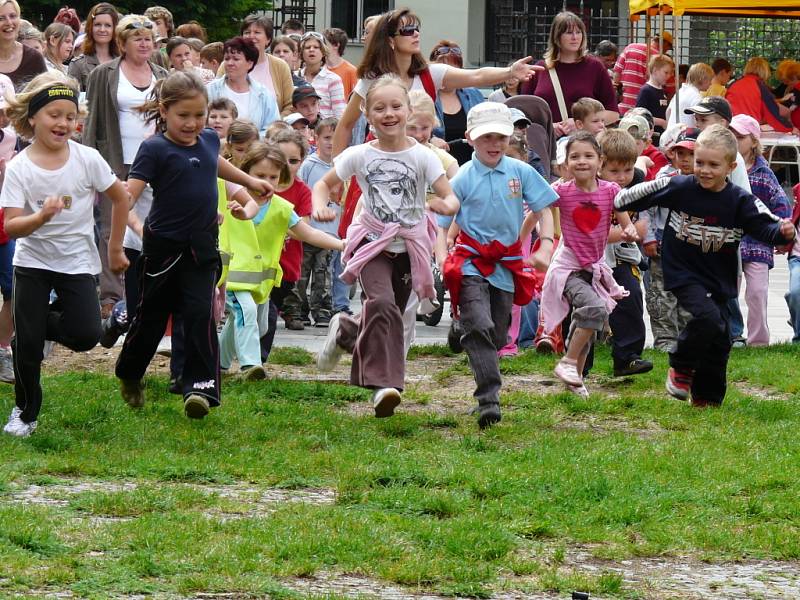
{"points": [[294, 118], [489, 117]]}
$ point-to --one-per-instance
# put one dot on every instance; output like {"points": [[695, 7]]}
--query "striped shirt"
{"points": [[765, 187], [631, 70], [585, 218], [331, 93]]}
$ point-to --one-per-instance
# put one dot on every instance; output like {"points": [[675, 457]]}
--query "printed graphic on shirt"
{"points": [[586, 216], [710, 238], [515, 188], [392, 192]]}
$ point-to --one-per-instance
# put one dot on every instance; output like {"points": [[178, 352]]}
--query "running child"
{"points": [[578, 276], [180, 264], [485, 272], [390, 244], [256, 238], [707, 217], [48, 198]]}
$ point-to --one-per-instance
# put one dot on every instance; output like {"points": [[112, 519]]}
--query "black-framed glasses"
{"points": [[407, 30], [445, 50], [139, 25]]}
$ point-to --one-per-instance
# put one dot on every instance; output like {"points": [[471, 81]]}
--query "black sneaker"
{"points": [[176, 386], [635, 367], [115, 325], [454, 337], [295, 324], [488, 415]]}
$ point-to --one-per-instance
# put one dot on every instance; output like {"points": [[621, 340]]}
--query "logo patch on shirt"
{"points": [[515, 188]]}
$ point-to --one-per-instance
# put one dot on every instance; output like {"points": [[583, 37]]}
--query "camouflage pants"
{"points": [[667, 319]]}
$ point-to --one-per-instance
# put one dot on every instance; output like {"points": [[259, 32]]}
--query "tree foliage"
{"points": [[221, 18]]}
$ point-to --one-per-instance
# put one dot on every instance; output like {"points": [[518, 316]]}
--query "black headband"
{"points": [[51, 94]]}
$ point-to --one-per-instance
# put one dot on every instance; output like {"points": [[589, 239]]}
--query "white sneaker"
{"points": [[165, 346], [19, 428], [331, 352], [6, 366], [578, 390], [568, 373], [385, 400], [15, 413]]}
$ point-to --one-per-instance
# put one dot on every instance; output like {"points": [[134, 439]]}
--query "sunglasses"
{"points": [[445, 50], [407, 30], [139, 25], [316, 35]]}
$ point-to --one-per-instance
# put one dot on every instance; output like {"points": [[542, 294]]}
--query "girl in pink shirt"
{"points": [[578, 276]]}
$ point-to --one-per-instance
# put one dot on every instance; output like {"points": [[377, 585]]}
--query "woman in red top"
{"points": [[750, 95]]}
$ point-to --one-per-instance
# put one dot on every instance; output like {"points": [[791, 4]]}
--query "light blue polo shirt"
{"points": [[492, 206]]}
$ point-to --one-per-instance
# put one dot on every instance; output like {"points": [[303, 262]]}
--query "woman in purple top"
{"points": [[580, 74]]}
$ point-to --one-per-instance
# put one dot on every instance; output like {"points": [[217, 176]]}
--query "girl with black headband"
{"points": [[48, 196]]}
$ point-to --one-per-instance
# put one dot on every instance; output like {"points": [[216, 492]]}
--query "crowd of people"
{"points": [[190, 193]]}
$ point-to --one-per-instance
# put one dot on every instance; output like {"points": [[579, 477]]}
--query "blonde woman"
{"points": [[314, 52], [19, 62], [750, 95]]}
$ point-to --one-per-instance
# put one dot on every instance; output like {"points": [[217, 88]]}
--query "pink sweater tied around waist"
{"points": [[419, 245], [555, 306]]}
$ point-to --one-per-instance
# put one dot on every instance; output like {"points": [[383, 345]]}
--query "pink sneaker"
{"points": [[567, 371], [507, 351]]}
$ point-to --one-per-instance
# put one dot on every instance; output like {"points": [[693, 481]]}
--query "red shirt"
{"points": [[299, 194], [658, 158], [744, 96]]}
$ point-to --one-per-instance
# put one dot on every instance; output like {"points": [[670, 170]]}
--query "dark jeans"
{"points": [[176, 279], [276, 298], [627, 318], [73, 321], [485, 316], [705, 343]]}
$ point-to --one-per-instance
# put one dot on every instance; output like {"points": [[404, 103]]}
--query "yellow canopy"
{"points": [[723, 8]]}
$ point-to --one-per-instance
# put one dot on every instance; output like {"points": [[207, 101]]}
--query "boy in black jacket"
{"points": [[708, 216]]}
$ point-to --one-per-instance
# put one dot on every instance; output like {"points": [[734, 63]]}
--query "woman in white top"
{"points": [[58, 44], [114, 127], [393, 47], [314, 51], [698, 80]]}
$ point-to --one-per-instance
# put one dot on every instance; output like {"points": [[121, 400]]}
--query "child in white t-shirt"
{"points": [[48, 197]]}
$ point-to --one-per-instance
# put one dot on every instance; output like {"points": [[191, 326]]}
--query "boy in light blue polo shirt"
{"points": [[494, 191]]}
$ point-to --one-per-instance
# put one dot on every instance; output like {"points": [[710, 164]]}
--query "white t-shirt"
{"points": [[393, 184], [241, 100], [689, 96], [437, 71], [66, 243], [132, 126]]}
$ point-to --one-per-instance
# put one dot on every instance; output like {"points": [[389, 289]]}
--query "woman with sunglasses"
{"points": [[115, 127], [99, 45], [393, 47], [452, 105], [19, 62], [314, 51]]}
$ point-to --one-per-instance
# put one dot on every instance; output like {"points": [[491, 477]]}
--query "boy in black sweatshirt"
{"points": [[707, 218]]}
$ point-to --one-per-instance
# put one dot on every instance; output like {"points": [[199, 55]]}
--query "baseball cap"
{"points": [[301, 92], [517, 115], [710, 105], [294, 118], [489, 117], [636, 125], [745, 124], [687, 138]]}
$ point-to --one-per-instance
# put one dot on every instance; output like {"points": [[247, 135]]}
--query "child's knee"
{"points": [[592, 316]]}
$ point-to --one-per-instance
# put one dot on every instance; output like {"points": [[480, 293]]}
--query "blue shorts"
{"points": [[6, 268]]}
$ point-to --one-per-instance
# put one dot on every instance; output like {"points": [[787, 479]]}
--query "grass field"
{"points": [[287, 480]]}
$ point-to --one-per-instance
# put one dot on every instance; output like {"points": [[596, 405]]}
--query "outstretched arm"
{"points": [[640, 196]]}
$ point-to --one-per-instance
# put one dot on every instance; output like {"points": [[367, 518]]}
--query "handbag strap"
{"points": [[562, 106]]}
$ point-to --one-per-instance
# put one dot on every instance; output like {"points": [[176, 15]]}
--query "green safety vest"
{"points": [[225, 251], [256, 250]]}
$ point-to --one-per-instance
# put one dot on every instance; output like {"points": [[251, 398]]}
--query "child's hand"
{"points": [[51, 207], [323, 214], [540, 260], [629, 234], [651, 249], [237, 210], [442, 206], [118, 261], [788, 230], [260, 189]]}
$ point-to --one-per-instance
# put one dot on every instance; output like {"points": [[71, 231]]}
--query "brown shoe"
{"points": [[132, 392], [195, 406]]}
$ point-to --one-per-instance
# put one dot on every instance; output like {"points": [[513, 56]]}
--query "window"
{"points": [[350, 14]]}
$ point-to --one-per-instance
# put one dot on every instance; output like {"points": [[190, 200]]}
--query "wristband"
{"points": [[551, 240]]}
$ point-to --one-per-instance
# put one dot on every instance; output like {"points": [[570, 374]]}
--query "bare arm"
{"points": [[452, 170], [486, 76], [230, 173], [320, 195], [306, 233], [18, 224], [243, 206], [629, 233], [541, 258], [440, 249], [445, 202], [344, 130], [118, 195]]}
